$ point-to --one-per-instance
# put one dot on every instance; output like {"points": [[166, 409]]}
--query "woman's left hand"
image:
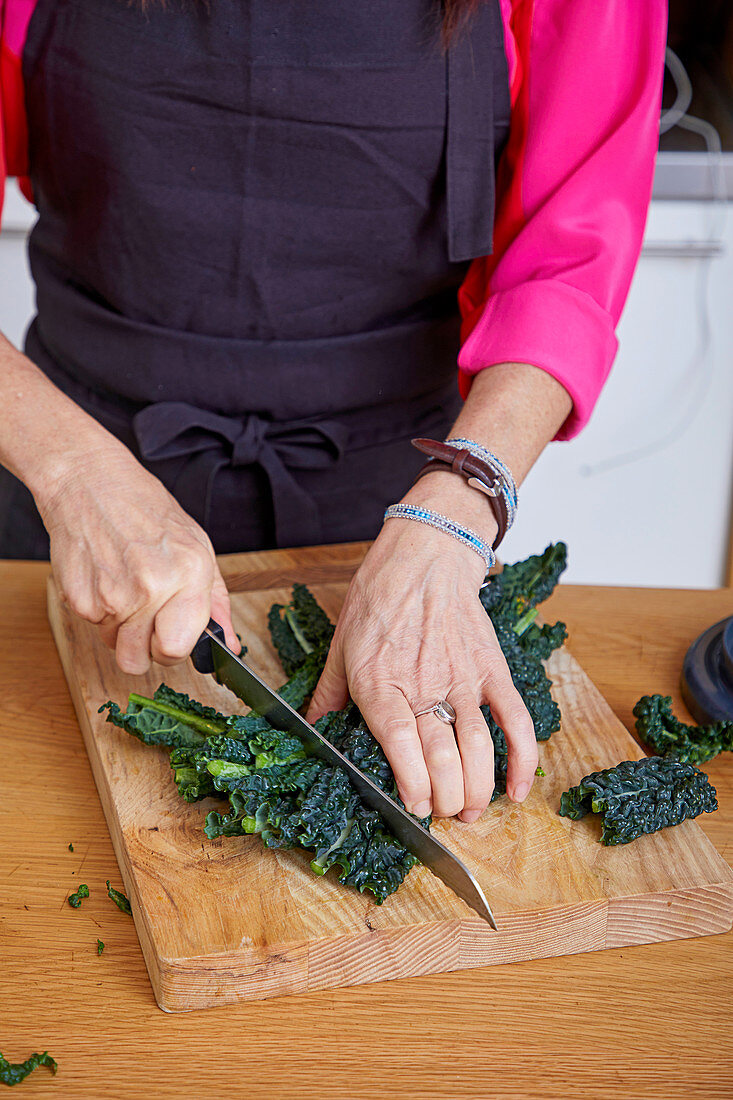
{"points": [[412, 630]]}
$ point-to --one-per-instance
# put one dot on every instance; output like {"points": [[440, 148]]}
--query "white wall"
{"points": [[661, 518]]}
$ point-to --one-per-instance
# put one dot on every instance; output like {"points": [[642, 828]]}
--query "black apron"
{"points": [[254, 216]]}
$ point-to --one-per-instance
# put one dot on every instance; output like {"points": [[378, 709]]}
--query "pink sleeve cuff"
{"points": [[551, 325]]}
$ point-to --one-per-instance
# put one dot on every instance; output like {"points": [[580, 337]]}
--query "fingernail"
{"points": [[521, 792], [422, 809], [469, 816]]}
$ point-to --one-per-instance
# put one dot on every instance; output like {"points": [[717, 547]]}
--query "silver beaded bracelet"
{"points": [[443, 523]]}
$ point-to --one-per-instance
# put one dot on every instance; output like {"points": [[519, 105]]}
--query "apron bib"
{"points": [[254, 217]]}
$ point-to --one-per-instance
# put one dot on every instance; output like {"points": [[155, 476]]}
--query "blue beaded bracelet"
{"points": [[442, 523], [508, 486]]}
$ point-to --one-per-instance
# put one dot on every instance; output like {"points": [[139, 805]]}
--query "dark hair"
{"points": [[456, 14]]}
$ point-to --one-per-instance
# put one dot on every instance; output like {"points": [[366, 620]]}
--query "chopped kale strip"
{"points": [[13, 1074], [71, 847], [300, 630], [119, 899], [640, 796], [100, 947], [657, 726], [75, 900]]}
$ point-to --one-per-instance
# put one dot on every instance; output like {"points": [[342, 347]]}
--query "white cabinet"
{"points": [[643, 496]]}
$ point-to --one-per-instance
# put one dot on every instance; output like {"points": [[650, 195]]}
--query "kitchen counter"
{"points": [[649, 1021]]}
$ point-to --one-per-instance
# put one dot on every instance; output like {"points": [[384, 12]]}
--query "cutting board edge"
{"points": [[184, 985], [56, 619]]}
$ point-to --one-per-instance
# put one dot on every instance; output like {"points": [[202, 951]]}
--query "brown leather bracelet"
{"points": [[477, 473]]}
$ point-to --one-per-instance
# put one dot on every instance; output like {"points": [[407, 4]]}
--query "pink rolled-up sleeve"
{"points": [[573, 191]]}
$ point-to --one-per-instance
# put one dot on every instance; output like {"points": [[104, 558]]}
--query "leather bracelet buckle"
{"points": [[478, 474]]}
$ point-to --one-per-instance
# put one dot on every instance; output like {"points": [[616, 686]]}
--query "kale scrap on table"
{"points": [[657, 726], [640, 796], [12, 1073], [292, 799]]}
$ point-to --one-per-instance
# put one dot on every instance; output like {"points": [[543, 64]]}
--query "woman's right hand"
{"points": [[127, 557]]}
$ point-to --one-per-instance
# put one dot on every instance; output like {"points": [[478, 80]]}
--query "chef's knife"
{"points": [[211, 654]]}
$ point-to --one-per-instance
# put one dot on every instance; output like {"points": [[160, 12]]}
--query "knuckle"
{"points": [[443, 757], [474, 735], [396, 731]]}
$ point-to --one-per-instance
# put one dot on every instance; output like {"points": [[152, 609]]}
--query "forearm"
{"points": [[42, 432]]}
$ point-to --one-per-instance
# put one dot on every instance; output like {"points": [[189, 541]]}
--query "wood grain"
{"points": [[553, 887], [650, 1022]]}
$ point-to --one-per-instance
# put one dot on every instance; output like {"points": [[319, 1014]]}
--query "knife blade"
{"points": [[211, 654]]}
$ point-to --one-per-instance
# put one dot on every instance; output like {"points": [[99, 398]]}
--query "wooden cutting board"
{"points": [[228, 920]]}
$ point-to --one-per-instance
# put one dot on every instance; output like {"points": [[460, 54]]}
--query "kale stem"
{"points": [[299, 637], [195, 721], [526, 620]]}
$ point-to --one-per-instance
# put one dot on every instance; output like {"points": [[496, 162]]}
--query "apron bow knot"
{"points": [[204, 443]]}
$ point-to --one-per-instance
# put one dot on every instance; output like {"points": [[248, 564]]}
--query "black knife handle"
{"points": [[201, 653]]}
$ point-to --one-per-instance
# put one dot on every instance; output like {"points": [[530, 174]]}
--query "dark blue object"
{"points": [[254, 218], [707, 675], [201, 657]]}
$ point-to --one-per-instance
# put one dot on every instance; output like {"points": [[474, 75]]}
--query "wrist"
{"points": [[443, 491]]}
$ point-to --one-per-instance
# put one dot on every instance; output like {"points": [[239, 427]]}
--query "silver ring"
{"points": [[441, 709]]}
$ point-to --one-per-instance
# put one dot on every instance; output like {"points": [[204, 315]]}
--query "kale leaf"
{"points": [[169, 718], [510, 598], [299, 630], [119, 899], [100, 947], [657, 726], [640, 796], [75, 900], [14, 1073]]}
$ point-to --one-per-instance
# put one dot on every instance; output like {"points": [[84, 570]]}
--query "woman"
{"points": [[264, 238]]}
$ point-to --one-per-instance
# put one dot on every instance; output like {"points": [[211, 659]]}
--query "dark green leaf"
{"points": [[13, 1074], [119, 899], [100, 947], [640, 796], [75, 900], [657, 726]]}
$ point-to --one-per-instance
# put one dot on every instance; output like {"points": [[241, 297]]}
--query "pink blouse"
{"points": [[573, 188]]}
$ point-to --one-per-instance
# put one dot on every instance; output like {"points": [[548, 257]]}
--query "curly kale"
{"points": [[520, 587], [75, 900], [14, 1073], [511, 599], [290, 799], [640, 796], [300, 630], [657, 726], [299, 801]]}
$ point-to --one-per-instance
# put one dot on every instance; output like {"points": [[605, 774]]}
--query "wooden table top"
{"points": [[649, 1021]]}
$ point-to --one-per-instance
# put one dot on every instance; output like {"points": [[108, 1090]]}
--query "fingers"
{"points": [[509, 711], [391, 721], [476, 754], [332, 690], [178, 625], [444, 766]]}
